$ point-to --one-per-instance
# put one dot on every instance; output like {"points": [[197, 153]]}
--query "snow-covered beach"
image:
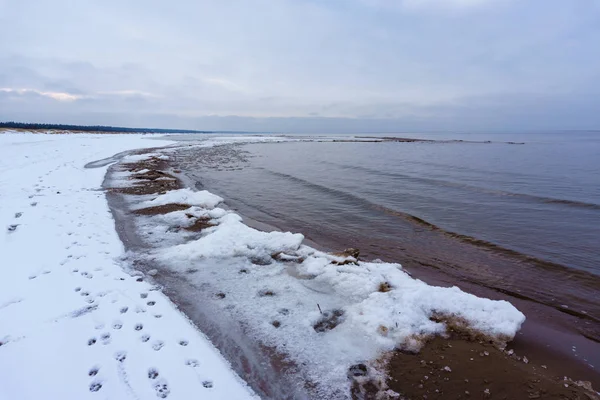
{"points": [[87, 317], [73, 323]]}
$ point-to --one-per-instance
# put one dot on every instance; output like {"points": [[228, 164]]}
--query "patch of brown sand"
{"points": [[148, 187], [200, 224], [148, 182], [458, 368], [163, 209]]}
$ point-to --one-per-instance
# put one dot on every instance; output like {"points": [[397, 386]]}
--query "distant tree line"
{"points": [[91, 128]]}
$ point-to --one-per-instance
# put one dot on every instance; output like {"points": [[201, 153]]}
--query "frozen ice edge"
{"points": [[280, 301]]}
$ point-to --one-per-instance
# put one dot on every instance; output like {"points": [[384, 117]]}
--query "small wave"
{"points": [[503, 193], [420, 221]]}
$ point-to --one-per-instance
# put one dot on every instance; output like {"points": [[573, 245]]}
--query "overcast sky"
{"points": [[303, 65]]}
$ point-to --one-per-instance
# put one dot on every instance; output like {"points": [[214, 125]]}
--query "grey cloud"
{"points": [[304, 65]]}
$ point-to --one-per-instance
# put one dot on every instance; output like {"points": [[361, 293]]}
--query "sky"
{"points": [[303, 65]]}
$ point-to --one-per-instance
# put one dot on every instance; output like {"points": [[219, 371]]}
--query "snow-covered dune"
{"points": [[73, 323]]}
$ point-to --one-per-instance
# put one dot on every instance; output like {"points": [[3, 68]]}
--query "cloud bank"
{"points": [[303, 65]]}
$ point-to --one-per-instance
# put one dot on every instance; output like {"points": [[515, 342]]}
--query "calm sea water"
{"points": [[541, 198]]}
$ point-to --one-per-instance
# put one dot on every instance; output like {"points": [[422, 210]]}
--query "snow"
{"points": [[202, 198], [143, 157], [73, 323], [231, 238], [283, 291]]}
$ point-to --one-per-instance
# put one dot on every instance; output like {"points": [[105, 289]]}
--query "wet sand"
{"points": [[506, 376]]}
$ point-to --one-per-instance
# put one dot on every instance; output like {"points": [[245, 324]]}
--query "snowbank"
{"points": [[73, 323], [202, 198], [143, 157], [231, 238]]}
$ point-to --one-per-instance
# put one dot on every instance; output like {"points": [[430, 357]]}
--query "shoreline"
{"points": [[497, 356], [561, 295]]}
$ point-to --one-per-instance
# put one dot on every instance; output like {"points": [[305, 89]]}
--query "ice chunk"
{"points": [[202, 198], [231, 238]]}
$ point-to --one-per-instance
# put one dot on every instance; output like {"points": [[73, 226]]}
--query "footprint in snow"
{"points": [[105, 338], [91, 341], [33, 204], [95, 386], [157, 345], [152, 373], [183, 343], [143, 295], [117, 325], [138, 327], [145, 338], [192, 363], [120, 356], [123, 310], [162, 389], [207, 384], [151, 303], [18, 215], [12, 228], [93, 371]]}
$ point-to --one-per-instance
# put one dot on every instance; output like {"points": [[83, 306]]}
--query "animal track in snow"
{"points": [[192, 363], [157, 345], [138, 327], [143, 295], [91, 341], [87, 275], [120, 356], [151, 303], [152, 373], [105, 338], [18, 215], [162, 389], [145, 338], [123, 310], [13, 227], [95, 386], [183, 342], [117, 325], [93, 371], [207, 384]]}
